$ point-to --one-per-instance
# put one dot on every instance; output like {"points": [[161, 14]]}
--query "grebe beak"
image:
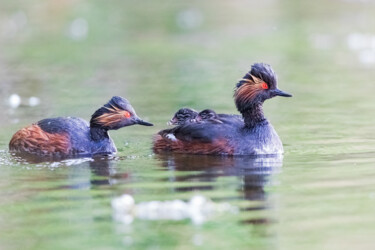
{"points": [[139, 121], [281, 93]]}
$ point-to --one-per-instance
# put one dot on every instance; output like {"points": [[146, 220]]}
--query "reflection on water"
{"points": [[252, 172], [105, 168], [165, 193], [102, 167]]}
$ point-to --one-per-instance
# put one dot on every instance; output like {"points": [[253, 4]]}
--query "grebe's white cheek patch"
{"points": [[171, 137]]}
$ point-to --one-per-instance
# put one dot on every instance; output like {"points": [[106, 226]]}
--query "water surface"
{"points": [[75, 55]]}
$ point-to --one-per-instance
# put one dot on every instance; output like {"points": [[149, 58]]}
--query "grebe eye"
{"points": [[264, 85], [127, 114]]}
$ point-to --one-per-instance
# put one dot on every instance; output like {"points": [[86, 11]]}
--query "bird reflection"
{"points": [[102, 168], [253, 172], [104, 172]]}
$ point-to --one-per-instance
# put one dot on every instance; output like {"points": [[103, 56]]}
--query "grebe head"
{"points": [[258, 85], [208, 115], [117, 113], [182, 116]]}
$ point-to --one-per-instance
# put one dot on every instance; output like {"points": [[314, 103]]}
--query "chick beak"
{"points": [[281, 93], [173, 121], [139, 121]]}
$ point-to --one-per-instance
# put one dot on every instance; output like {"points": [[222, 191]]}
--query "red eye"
{"points": [[264, 85], [127, 114]]}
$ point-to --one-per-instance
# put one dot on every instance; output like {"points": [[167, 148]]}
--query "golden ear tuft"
{"points": [[115, 115], [257, 80], [246, 80]]}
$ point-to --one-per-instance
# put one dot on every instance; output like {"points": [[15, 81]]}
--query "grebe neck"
{"points": [[98, 133], [253, 115]]}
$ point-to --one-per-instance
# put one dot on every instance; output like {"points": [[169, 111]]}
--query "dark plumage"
{"points": [[253, 135], [209, 115], [183, 116], [71, 136]]}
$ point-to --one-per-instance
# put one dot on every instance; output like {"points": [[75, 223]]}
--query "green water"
{"points": [[162, 55]]}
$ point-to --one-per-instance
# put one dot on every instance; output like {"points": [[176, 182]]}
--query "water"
{"points": [[74, 55]]}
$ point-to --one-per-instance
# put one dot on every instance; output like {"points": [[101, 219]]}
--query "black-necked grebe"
{"points": [[182, 116], [252, 136], [71, 136]]}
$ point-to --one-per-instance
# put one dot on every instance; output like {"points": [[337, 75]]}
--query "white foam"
{"points": [[198, 209]]}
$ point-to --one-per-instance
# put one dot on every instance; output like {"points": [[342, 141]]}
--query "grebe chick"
{"points": [[209, 115], [71, 136], [183, 116], [252, 136]]}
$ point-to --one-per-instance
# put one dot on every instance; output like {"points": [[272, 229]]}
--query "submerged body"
{"points": [[230, 134], [72, 136]]}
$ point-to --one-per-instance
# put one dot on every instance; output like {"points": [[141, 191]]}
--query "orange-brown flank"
{"points": [[216, 147], [33, 139]]}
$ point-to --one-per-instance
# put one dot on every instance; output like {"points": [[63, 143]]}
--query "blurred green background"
{"points": [[72, 56]]}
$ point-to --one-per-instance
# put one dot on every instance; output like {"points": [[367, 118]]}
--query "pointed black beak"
{"points": [[139, 121], [281, 93]]}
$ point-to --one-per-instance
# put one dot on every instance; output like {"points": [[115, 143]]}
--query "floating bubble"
{"points": [[14, 101], [34, 101], [78, 29], [365, 45]]}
